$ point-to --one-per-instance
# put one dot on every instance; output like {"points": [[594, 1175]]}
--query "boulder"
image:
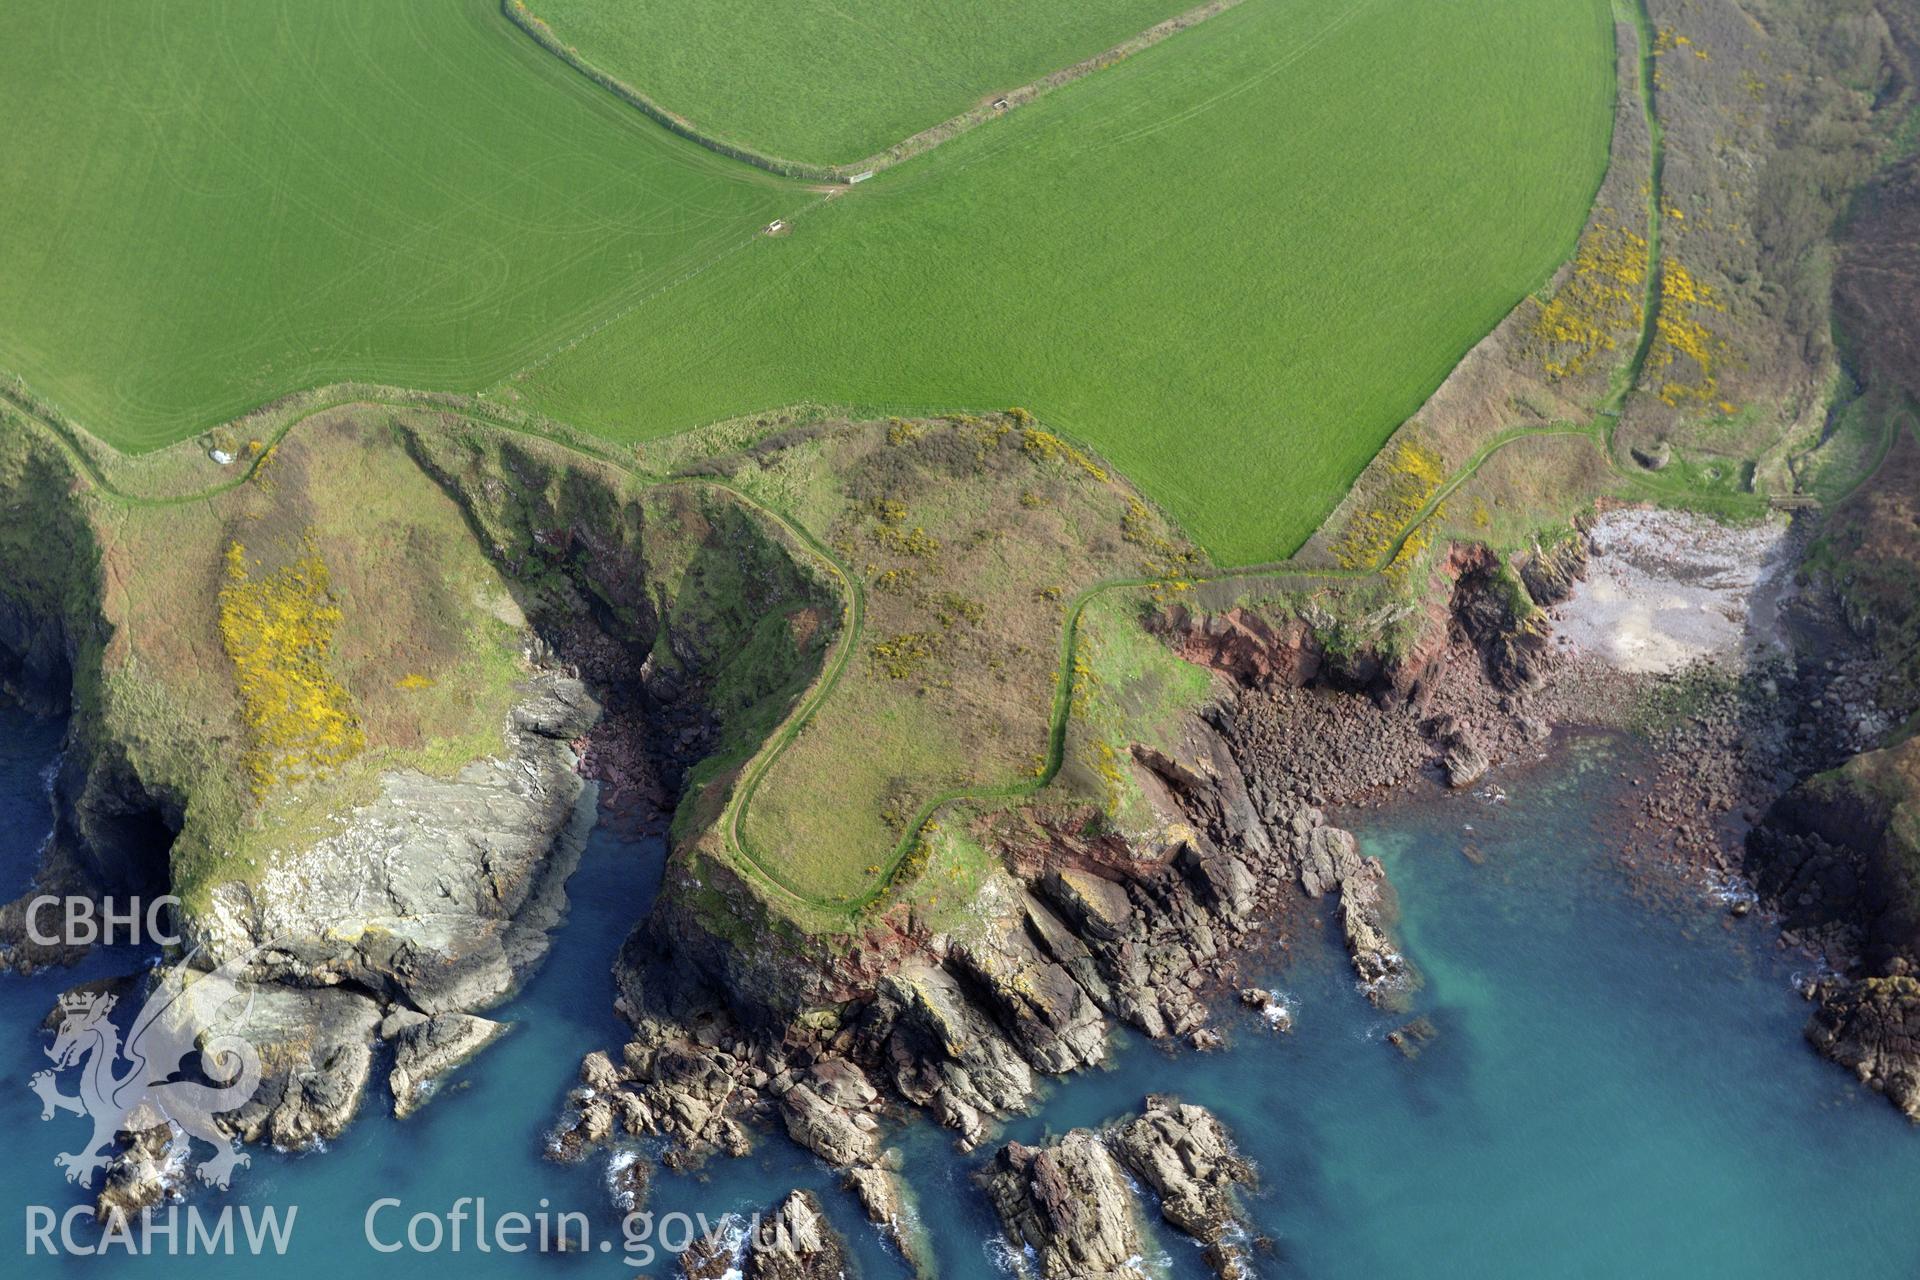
{"points": [[1465, 764], [1655, 456]]}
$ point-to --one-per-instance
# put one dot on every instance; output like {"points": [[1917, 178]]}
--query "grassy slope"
{"points": [[948, 685], [427, 647], [1129, 687], [210, 204], [834, 83], [1266, 240]]}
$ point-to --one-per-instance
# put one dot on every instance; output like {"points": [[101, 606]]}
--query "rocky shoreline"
{"points": [[1088, 933], [1081, 933]]}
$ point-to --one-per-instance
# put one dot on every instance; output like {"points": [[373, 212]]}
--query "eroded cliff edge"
{"points": [[338, 710]]}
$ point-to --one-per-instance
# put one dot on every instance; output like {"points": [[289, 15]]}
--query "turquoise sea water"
{"points": [[1616, 1090]]}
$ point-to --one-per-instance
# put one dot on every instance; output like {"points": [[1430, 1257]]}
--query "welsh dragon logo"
{"points": [[183, 1016]]}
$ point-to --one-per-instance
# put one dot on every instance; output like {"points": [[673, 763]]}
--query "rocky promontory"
{"points": [[1071, 1206]]}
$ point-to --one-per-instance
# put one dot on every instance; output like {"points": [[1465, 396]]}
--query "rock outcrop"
{"points": [[1332, 861], [438, 893], [1070, 1204], [792, 1242], [1187, 1157], [1872, 1028], [796, 1243], [426, 1048], [149, 1168], [1837, 855], [431, 902], [1836, 858], [887, 1201], [316, 1059]]}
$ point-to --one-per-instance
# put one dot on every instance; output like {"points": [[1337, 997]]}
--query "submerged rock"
{"points": [[710, 1257], [1271, 1005], [1413, 1038], [629, 1177]]}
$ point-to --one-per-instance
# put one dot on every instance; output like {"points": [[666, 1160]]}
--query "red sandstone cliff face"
{"points": [[1246, 646], [1476, 601]]}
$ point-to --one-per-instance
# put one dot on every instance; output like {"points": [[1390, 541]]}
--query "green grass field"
{"points": [[1234, 263], [832, 84], [209, 204]]}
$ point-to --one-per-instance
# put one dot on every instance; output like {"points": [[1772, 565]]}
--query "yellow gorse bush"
{"points": [[278, 632], [1045, 444], [1680, 337], [1413, 476], [1600, 300], [898, 657]]}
